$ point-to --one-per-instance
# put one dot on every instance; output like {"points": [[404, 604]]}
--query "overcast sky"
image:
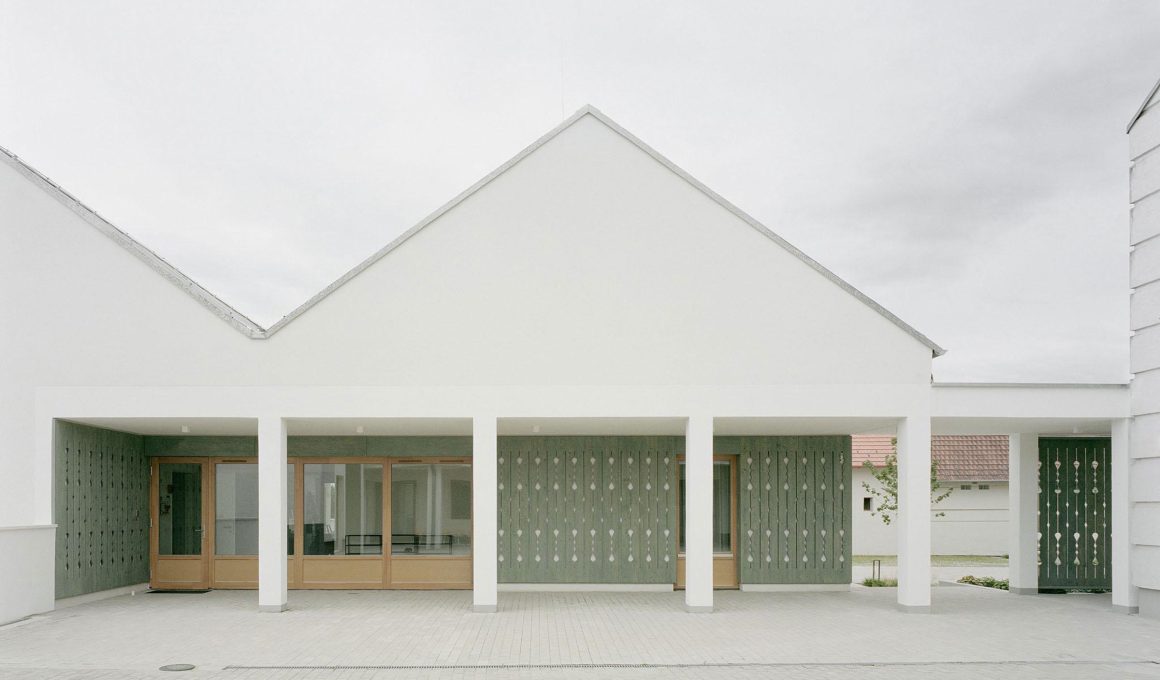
{"points": [[963, 163]]}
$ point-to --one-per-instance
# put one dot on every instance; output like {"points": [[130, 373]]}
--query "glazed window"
{"points": [[236, 509], [722, 517], [431, 509], [342, 509], [179, 527]]}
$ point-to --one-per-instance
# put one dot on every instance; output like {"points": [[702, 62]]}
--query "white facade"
{"points": [[587, 286], [973, 521], [1142, 481]]}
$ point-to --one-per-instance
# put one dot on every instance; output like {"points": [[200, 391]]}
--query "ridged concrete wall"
{"points": [[1144, 145]]}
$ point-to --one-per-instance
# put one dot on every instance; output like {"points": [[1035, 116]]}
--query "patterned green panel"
{"points": [[1075, 513], [101, 501], [795, 515], [588, 509], [311, 446]]}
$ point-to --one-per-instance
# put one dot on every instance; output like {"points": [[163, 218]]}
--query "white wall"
{"points": [[975, 522], [1145, 349], [26, 571], [586, 264]]}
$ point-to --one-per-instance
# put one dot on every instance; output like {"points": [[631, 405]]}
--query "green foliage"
{"points": [[880, 582], [986, 581], [886, 493]]}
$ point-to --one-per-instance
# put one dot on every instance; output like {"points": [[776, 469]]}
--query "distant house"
{"points": [[974, 519]]}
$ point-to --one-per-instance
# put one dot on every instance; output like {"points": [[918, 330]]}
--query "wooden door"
{"points": [[181, 523]]}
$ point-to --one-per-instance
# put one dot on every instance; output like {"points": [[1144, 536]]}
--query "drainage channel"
{"points": [[741, 664]]}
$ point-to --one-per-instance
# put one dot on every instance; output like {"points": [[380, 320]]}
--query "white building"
{"points": [[511, 388], [972, 520], [1143, 142]]}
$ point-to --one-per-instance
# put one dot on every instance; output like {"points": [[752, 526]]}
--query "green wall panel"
{"points": [[1075, 513], [101, 503], [794, 516], [588, 509], [200, 446], [310, 446]]}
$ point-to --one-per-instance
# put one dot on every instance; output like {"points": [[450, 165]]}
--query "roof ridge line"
{"points": [[590, 110], [251, 329], [219, 307], [431, 217], [767, 232]]}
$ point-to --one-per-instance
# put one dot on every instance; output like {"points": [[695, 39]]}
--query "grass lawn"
{"points": [[938, 560]]}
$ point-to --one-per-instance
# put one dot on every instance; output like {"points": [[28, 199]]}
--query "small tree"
{"points": [[886, 492]]}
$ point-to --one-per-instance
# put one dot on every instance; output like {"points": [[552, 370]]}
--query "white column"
{"points": [[42, 471], [271, 514], [699, 514], [1023, 513], [484, 513], [1125, 596], [914, 513]]}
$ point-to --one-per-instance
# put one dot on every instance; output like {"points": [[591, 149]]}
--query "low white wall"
{"points": [[861, 572], [975, 522], [27, 581]]}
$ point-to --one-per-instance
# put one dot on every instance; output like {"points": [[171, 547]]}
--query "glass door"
{"points": [[180, 530], [724, 523]]}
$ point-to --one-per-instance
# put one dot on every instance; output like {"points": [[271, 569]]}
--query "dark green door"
{"points": [[1075, 513]]}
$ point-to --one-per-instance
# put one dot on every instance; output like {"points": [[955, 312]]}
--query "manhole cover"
{"points": [[178, 667]]}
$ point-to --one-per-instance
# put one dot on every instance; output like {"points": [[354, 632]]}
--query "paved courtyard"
{"points": [[340, 635]]}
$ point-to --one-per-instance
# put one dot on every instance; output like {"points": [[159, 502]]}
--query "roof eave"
{"points": [[233, 317], [1143, 107]]}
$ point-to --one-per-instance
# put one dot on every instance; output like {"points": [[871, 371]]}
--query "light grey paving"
{"points": [[340, 635]]}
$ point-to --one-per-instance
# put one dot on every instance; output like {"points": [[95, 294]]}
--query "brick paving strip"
{"points": [[743, 664]]}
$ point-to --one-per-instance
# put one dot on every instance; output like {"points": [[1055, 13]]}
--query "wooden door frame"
{"points": [[300, 524], [208, 466], [207, 520], [734, 493], [389, 526]]}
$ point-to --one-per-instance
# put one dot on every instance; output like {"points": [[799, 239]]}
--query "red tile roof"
{"points": [[960, 458]]}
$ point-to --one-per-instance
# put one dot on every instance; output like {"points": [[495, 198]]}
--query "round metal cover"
{"points": [[178, 667]]}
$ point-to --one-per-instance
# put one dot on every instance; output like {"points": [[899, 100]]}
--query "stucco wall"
{"points": [[26, 566], [975, 522], [587, 265]]}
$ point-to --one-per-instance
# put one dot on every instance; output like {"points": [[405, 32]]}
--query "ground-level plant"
{"points": [[985, 581], [880, 582]]}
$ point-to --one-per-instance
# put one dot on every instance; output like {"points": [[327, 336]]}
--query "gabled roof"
{"points": [[251, 329], [970, 458], [1143, 107], [960, 458], [157, 263]]}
